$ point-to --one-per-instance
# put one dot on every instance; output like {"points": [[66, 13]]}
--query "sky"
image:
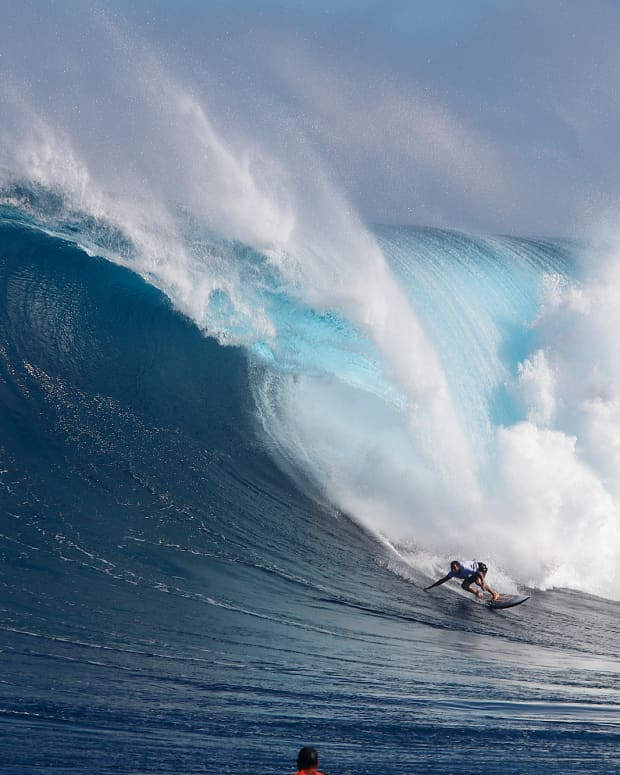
{"points": [[499, 116]]}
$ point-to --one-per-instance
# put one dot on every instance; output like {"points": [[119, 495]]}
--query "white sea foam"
{"points": [[547, 508]]}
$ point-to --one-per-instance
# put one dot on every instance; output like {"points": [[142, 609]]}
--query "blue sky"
{"points": [[493, 116]]}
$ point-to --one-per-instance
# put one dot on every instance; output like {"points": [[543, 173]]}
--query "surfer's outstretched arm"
{"points": [[437, 583]]}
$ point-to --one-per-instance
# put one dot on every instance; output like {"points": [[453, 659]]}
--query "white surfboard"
{"points": [[507, 601]]}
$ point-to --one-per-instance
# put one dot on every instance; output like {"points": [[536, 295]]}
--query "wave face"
{"points": [[209, 540]]}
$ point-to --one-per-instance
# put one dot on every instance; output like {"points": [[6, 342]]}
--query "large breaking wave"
{"points": [[460, 400], [455, 394]]}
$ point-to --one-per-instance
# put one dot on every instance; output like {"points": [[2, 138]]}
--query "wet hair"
{"points": [[454, 562], [307, 757]]}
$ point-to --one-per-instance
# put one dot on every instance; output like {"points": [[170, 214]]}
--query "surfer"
{"points": [[471, 572], [308, 761]]}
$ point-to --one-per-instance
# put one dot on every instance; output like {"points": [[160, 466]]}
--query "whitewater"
{"points": [[242, 428]]}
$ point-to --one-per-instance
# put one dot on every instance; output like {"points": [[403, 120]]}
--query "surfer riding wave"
{"points": [[471, 572]]}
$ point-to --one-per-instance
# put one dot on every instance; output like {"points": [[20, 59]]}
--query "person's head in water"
{"points": [[307, 758], [455, 566]]}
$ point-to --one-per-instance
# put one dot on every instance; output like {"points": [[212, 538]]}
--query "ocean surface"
{"points": [[227, 471], [242, 427]]}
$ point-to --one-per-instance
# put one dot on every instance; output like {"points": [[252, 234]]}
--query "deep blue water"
{"points": [[177, 598]]}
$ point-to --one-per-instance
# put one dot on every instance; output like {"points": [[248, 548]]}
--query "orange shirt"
{"points": [[311, 771]]}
